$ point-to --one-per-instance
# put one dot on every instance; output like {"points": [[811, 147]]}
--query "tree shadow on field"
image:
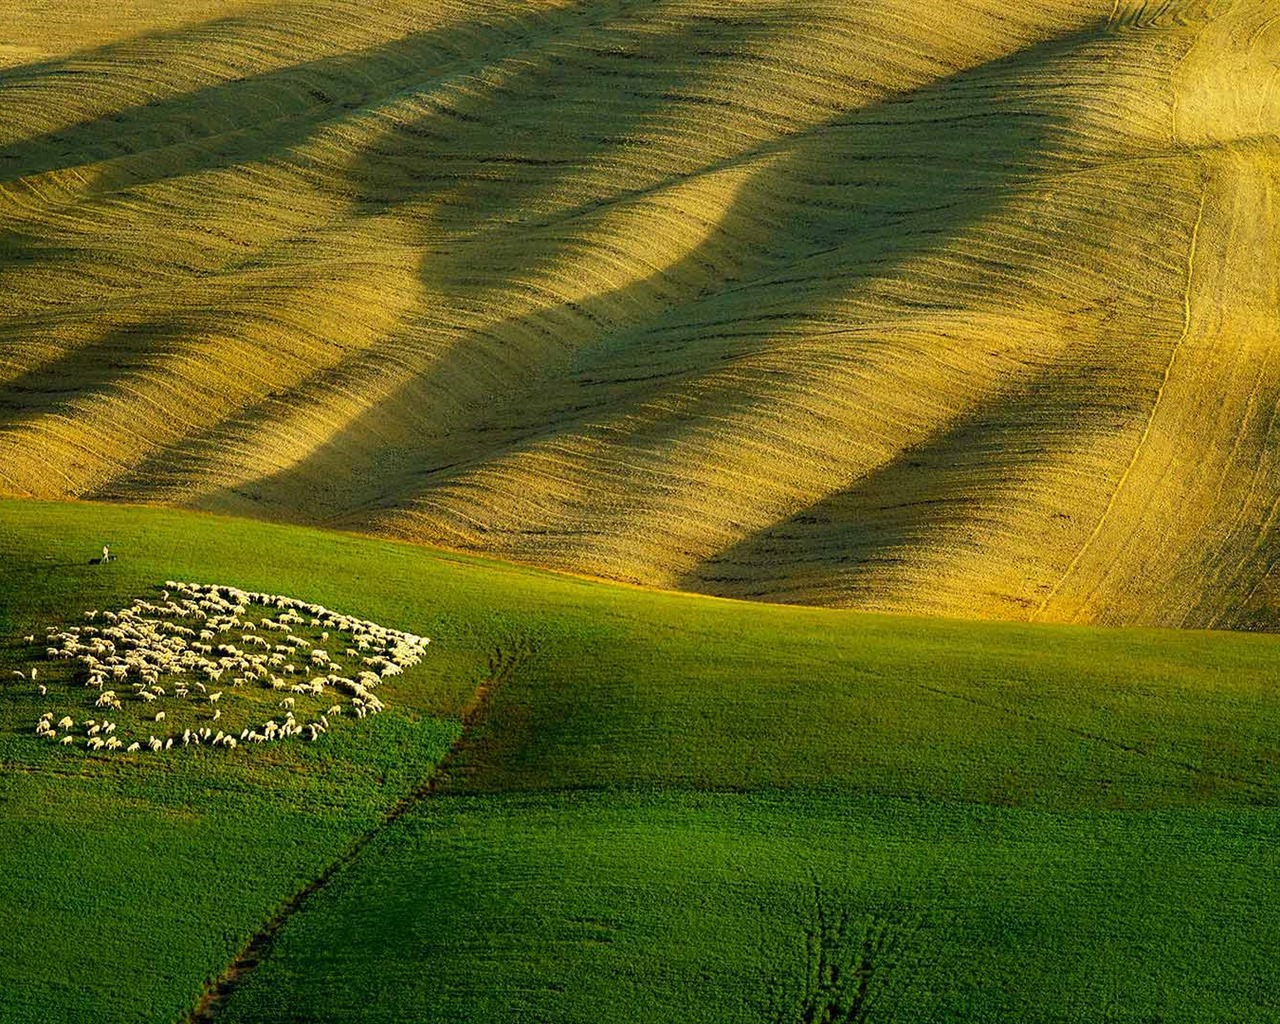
{"points": [[952, 493], [827, 212], [96, 367], [508, 174], [503, 159], [248, 119], [262, 116], [253, 118]]}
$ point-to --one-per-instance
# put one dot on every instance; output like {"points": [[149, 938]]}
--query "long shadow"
{"points": [[93, 368], [480, 159], [250, 119], [862, 193], [843, 203], [871, 541], [262, 116]]}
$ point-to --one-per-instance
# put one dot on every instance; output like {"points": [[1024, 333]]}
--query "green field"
{"points": [[668, 808]]}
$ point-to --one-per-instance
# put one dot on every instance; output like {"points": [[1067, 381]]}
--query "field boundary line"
{"points": [[502, 666]]}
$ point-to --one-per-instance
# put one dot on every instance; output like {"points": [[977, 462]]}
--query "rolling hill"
{"points": [[596, 803], [962, 308]]}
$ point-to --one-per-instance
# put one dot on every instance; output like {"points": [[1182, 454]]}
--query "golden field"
{"points": [[968, 309]]}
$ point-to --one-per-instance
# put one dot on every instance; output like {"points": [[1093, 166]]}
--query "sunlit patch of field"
{"points": [[962, 309]]}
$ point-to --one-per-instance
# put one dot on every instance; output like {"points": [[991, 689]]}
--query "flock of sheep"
{"points": [[199, 643]]}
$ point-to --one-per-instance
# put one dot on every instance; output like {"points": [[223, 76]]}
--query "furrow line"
{"points": [[1151, 417], [502, 666]]}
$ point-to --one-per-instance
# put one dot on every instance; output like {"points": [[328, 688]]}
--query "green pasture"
{"points": [[669, 808], [791, 907]]}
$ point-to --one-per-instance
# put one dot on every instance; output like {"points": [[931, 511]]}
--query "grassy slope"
{"points": [[127, 881], [961, 308], [723, 908], [664, 797]]}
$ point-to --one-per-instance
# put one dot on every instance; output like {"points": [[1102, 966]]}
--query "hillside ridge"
{"points": [[965, 312]]}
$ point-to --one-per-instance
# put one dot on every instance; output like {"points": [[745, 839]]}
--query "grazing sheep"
{"points": [[138, 643], [133, 748], [66, 740]]}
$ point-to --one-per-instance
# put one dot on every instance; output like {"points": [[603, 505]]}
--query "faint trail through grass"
{"points": [[502, 665]]}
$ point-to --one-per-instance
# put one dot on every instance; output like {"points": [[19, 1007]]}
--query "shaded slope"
{"points": [[966, 312]]}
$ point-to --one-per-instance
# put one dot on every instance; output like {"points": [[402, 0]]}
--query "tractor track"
{"points": [[503, 663]]}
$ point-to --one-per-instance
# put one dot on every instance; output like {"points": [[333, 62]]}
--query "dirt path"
{"points": [[503, 663]]}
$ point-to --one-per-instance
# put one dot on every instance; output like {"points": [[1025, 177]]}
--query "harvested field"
{"points": [[963, 309]]}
